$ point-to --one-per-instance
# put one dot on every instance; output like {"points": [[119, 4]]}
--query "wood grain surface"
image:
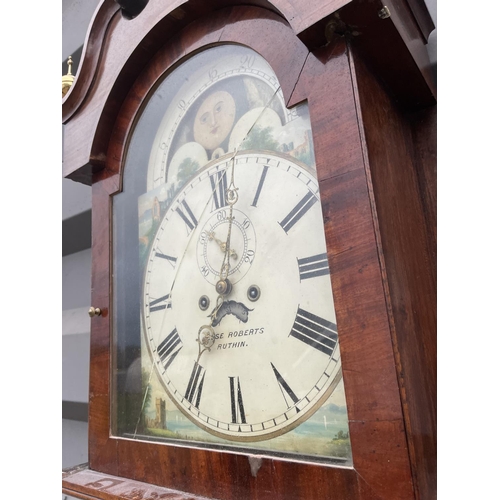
{"points": [[401, 163]]}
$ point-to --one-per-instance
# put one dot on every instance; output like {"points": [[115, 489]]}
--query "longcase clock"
{"points": [[263, 243]]}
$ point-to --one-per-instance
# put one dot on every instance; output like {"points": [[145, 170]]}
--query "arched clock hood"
{"points": [[117, 49]]}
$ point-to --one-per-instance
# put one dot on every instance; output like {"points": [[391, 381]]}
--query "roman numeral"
{"points": [[171, 260], [310, 267], [219, 188], [259, 187], [169, 348], [195, 385], [285, 388], [167, 305], [298, 211], [237, 410], [187, 217], [315, 331]]}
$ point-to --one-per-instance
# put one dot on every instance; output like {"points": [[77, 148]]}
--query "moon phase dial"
{"points": [[212, 245]]}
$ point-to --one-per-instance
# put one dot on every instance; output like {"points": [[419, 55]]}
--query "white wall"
{"points": [[76, 16], [76, 205], [75, 355]]}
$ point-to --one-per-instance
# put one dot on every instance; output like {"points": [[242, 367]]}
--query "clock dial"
{"points": [[230, 334], [273, 359]]}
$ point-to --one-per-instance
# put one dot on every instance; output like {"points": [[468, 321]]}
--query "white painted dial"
{"points": [[274, 356]]}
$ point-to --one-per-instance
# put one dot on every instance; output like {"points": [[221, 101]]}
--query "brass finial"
{"points": [[67, 80]]}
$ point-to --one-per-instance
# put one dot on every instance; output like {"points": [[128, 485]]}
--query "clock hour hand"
{"points": [[206, 333]]}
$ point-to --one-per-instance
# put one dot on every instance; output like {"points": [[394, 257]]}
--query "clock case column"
{"points": [[375, 149]]}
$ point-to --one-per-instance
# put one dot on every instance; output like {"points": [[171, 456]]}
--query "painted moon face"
{"points": [[214, 119]]}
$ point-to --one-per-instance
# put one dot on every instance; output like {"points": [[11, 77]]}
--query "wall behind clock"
{"points": [[76, 259], [76, 240]]}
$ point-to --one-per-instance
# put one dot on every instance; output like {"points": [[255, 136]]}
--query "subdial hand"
{"points": [[222, 245]]}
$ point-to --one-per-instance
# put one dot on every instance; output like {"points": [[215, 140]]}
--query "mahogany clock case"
{"points": [[375, 164]]}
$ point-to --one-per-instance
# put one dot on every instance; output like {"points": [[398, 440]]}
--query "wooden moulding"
{"points": [[236, 25], [117, 50], [80, 482]]}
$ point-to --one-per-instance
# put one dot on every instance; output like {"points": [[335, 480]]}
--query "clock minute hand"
{"points": [[206, 333], [224, 286]]}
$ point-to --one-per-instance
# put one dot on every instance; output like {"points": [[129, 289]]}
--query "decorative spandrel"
{"points": [[224, 323]]}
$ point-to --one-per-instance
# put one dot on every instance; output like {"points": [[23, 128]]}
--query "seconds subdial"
{"points": [[211, 248]]}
